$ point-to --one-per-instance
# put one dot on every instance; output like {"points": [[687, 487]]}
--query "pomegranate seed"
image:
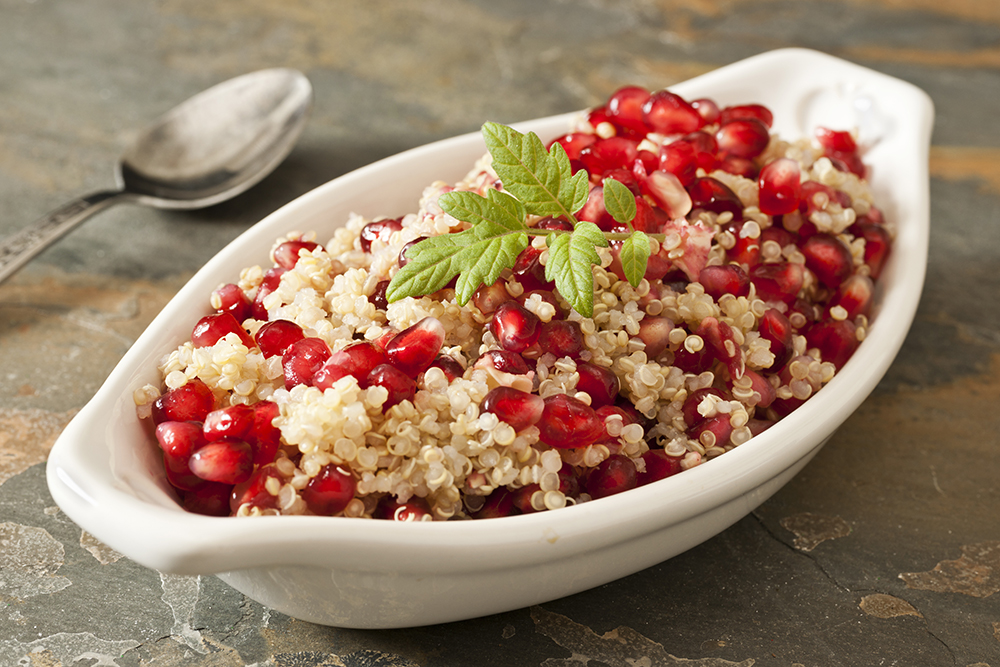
{"points": [[705, 147], [693, 362], [226, 460], [379, 229], [877, 244], [232, 300], [713, 195], [499, 503], [574, 143], [390, 509], [384, 339], [607, 154], [668, 193], [757, 111], [414, 349], [452, 369], [515, 327], [778, 282], [624, 109], [658, 466], [855, 296], [287, 254], [400, 386], [211, 328], [739, 166], [275, 337], [594, 210], [605, 411], [728, 279], [626, 177], [507, 362], [646, 218], [654, 332], [721, 339], [763, 388], [254, 490], [563, 338], [189, 402], [668, 113], [377, 297], [836, 339], [836, 140], [775, 328], [718, 426], [235, 422], [758, 426], [358, 359], [517, 408], [600, 383], [743, 137], [612, 475], [567, 423], [272, 278], [829, 258], [267, 436], [521, 498], [403, 259], [529, 271], [179, 475], [488, 297], [779, 187], [847, 162], [179, 440], [707, 109], [210, 499], [549, 222], [680, 158], [330, 491], [690, 410], [302, 359]]}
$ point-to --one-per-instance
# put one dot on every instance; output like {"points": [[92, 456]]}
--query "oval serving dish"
{"points": [[105, 470]]}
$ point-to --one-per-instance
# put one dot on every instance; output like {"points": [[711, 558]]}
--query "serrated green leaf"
{"points": [[570, 264], [635, 257], [496, 207], [543, 181], [619, 201]]}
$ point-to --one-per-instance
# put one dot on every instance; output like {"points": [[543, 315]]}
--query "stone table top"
{"points": [[884, 550]]}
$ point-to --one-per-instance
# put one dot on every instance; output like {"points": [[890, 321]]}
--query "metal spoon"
{"points": [[210, 148]]}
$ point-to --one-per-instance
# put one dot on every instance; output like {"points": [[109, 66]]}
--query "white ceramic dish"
{"points": [[105, 471]]}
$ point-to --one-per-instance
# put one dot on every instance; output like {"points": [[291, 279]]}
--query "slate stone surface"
{"points": [[884, 550]]}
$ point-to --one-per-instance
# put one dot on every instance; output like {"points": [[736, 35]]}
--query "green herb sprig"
{"points": [[537, 182]]}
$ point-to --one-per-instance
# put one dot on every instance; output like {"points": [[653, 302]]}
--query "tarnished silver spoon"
{"points": [[210, 148]]}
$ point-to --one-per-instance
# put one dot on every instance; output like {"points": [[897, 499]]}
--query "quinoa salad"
{"points": [[317, 385]]}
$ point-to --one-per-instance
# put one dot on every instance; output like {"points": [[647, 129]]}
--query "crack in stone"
{"points": [[800, 552]]}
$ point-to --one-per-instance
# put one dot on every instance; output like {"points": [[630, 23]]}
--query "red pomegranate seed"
{"points": [[775, 328], [390, 509], [549, 222], [507, 362], [605, 411], [624, 109], [707, 109], [613, 475], [190, 402], [778, 282], [877, 244], [179, 475], [779, 187], [690, 410], [713, 195], [758, 426], [574, 143], [330, 491], [272, 278], [720, 338], [627, 177], [210, 499], [836, 140], [403, 258], [400, 385], [607, 154], [517, 408], [855, 296], [211, 328], [179, 440], [274, 338], [287, 254], [563, 338], [728, 279], [226, 460], [680, 158], [763, 388], [847, 162], [668, 193], [377, 297], [658, 466], [668, 113], [742, 111], [705, 147], [529, 271], [599, 382], [693, 362], [357, 359], [829, 258], [302, 359], [414, 349], [379, 229], [646, 218], [267, 436], [654, 332], [743, 137], [567, 422], [235, 422], [451, 368], [594, 210], [488, 297], [254, 490], [836, 339], [718, 426], [499, 503], [739, 166], [521, 498], [515, 327], [232, 300]]}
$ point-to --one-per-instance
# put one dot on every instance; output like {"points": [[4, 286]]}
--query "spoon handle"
{"points": [[16, 250]]}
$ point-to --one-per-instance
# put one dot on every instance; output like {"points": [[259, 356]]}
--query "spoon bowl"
{"points": [[208, 149]]}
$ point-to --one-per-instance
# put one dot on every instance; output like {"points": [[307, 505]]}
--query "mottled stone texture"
{"points": [[882, 551]]}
